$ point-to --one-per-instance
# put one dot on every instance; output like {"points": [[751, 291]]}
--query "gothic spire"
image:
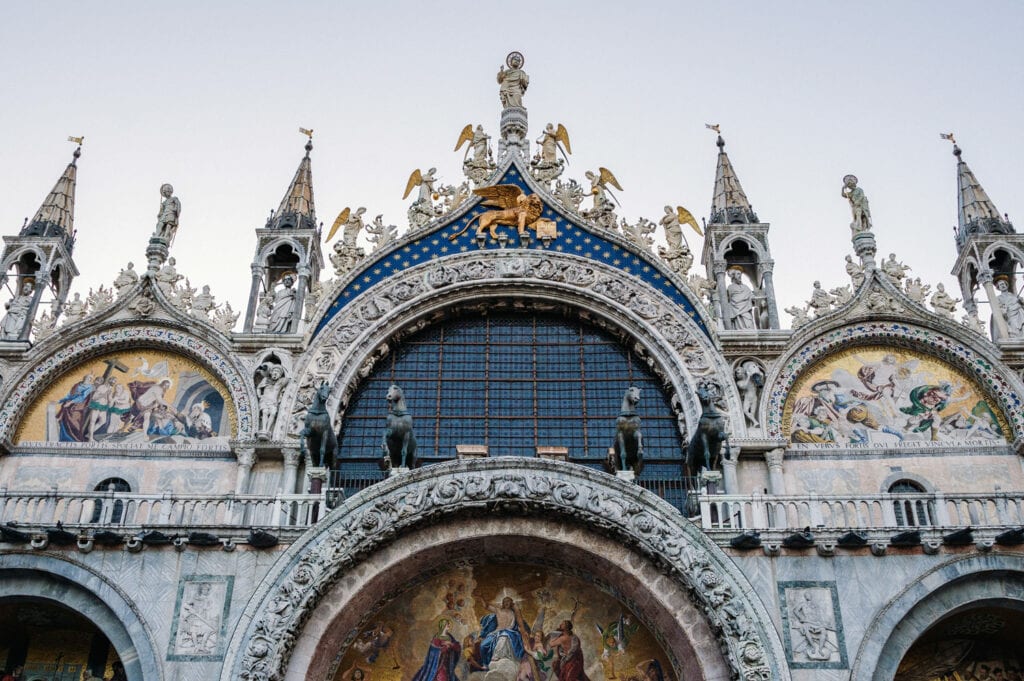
{"points": [[976, 212], [729, 204], [297, 209], [56, 217]]}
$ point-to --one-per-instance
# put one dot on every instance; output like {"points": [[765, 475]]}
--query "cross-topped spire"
{"points": [[976, 212], [729, 204], [56, 217], [297, 210]]}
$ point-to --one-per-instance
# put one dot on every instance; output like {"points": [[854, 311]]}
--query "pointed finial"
{"points": [[949, 136], [717, 129], [308, 132]]}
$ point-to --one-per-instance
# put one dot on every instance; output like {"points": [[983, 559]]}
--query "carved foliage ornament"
{"points": [[602, 503]]}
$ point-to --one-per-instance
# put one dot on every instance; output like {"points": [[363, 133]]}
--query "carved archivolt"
{"points": [[895, 334], [293, 589], [55, 363], [345, 351]]}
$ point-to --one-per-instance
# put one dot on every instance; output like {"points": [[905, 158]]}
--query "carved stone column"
{"points": [[768, 286], [246, 460], [721, 296], [254, 297], [776, 481], [729, 471], [291, 470], [985, 277]]}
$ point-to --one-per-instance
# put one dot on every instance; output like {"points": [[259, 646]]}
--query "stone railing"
{"points": [[105, 510], [861, 512]]}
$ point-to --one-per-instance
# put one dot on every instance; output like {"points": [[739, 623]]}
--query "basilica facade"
{"points": [[520, 439]]}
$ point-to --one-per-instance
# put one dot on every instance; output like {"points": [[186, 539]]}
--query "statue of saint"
{"points": [[741, 301], [513, 82], [167, 278], [1011, 308], [855, 271], [167, 220], [282, 309], [126, 278], [269, 391], [943, 303], [858, 205], [17, 312]]}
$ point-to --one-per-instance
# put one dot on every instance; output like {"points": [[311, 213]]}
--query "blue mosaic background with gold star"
{"points": [[572, 238]]}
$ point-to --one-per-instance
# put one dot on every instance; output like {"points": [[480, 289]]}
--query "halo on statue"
{"points": [[1003, 277], [735, 268], [289, 273], [849, 179], [515, 56]]}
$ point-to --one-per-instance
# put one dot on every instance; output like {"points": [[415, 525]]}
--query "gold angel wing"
{"points": [[608, 178], [562, 135], [415, 180], [465, 136], [686, 218], [338, 222], [500, 196]]}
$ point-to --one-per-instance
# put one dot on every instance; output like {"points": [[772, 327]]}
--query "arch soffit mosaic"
{"points": [[112, 611], [935, 594], [263, 642], [51, 359], [345, 351], [950, 344]]}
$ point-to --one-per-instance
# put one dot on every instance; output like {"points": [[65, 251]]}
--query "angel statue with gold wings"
{"points": [[481, 164], [515, 209], [422, 209], [546, 166], [603, 212]]}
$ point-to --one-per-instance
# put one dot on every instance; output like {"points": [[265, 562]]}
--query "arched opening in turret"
{"points": [[284, 259], [745, 304], [521, 382]]}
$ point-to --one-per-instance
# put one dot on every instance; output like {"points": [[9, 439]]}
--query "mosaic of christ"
{"points": [[503, 623]]}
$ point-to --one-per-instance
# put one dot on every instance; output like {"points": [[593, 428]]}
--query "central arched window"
{"points": [[512, 383], [110, 486], [910, 512]]}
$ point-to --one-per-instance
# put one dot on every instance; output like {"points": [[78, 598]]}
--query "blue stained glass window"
{"points": [[513, 382]]}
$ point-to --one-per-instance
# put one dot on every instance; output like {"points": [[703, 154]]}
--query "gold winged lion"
{"points": [[516, 209]]}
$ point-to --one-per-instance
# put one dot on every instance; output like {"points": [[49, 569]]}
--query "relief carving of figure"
{"points": [[269, 390], [858, 205], [167, 219], [741, 301], [512, 82], [17, 313], [813, 627]]}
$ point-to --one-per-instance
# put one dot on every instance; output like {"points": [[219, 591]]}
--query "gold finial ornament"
{"points": [[308, 132], [77, 140]]}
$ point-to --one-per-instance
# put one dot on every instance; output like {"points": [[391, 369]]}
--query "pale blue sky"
{"points": [[209, 96]]}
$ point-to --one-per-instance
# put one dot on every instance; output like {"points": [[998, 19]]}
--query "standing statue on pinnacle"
{"points": [[858, 205], [513, 82], [167, 219]]}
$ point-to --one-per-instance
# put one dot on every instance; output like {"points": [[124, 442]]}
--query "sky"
{"points": [[209, 96]]}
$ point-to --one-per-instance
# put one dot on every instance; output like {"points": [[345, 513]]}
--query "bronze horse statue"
{"points": [[705, 449], [628, 450], [317, 436], [399, 443]]}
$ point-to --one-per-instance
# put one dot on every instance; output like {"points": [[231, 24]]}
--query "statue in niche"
{"points": [[749, 380], [741, 301], [282, 307], [1010, 307], [399, 443], [858, 205], [271, 382], [17, 313], [705, 449], [628, 450], [167, 219], [512, 82]]}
